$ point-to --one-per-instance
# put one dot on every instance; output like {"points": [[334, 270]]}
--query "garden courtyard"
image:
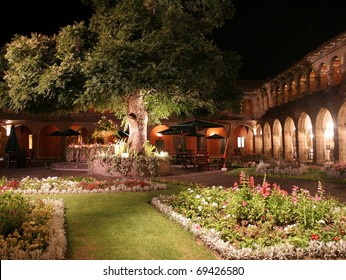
{"points": [[125, 225]]}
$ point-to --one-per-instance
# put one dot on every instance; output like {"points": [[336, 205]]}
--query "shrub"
{"points": [[259, 217], [13, 209], [280, 167]]}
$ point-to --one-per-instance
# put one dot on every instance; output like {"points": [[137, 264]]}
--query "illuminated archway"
{"points": [[216, 147], [305, 138], [342, 133], [290, 139], [267, 139], [324, 136], [49, 146], [277, 139], [258, 140]]}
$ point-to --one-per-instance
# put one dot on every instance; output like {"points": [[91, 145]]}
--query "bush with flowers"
{"points": [[76, 185], [105, 128], [31, 229], [336, 170], [281, 167], [34, 229], [119, 161], [249, 221]]}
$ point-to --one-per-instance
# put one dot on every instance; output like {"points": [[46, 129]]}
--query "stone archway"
{"points": [[49, 146], [267, 139], [277, 139], [290, 139], [342, 133], [324, 136], [305, 138], [258, 140]]}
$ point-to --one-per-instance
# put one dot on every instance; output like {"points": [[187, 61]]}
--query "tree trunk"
{"points": [[138, 122]]}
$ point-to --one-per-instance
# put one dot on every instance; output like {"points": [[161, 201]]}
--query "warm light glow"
{"points": [[30, 141], [162, 154], [124, 155], [8, 129], [241, 142], [329, 132]]}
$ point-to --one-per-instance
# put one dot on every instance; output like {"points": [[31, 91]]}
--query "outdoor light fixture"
{"points": [[241, 142], [329, 132], [8, 129], [30, 141]]}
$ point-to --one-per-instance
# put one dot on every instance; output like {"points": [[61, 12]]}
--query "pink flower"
{"points": [[244, 203], [197, 227]]}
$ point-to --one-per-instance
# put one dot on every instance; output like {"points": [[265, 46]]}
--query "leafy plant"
{"points": [[259, 216], [13, 209]]}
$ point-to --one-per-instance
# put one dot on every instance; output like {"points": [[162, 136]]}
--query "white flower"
{"points": [[198, 196]]}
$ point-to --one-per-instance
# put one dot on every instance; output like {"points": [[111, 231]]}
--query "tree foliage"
{"points": [[142, 59]]}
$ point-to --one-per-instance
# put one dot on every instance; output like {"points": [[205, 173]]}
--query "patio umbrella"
{"points": [[55, 133], [215, 136], [123, 133], [194, 134], [196, 125], [12, 144], [70, 132], [174, 131]]}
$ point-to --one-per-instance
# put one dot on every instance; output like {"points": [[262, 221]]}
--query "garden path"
{"points": [[209, 178]]}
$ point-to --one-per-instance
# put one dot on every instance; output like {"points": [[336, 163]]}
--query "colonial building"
{"points": [[298, 114], [301, 113]]}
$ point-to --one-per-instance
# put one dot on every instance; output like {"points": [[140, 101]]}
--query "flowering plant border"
{"points": [[57, 242], [261, 222], [71, 185], [212, 239]]}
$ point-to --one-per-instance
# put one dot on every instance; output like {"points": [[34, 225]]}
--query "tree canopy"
{"points": [[144, 60]]}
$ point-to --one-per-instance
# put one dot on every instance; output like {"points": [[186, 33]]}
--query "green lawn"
{"points": [[124, 226], [313, 174]]}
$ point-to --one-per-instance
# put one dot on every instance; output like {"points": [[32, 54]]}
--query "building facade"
{"points": [[298, 114]]}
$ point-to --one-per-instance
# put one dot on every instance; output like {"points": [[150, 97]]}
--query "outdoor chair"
{"points": [[15, 159], [29, 156], [202, 161]]}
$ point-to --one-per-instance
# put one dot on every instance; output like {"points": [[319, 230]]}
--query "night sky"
{"points": [[269, 35]]}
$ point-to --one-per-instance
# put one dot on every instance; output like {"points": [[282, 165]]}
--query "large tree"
{"points": [[142, 59]]}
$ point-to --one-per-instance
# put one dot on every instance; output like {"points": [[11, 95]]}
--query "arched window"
{"points": [[312, 81], [336, 71], [302, 85], [323, 76]]}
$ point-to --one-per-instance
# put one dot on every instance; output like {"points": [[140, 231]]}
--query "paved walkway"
{"points": [[210, 178]]}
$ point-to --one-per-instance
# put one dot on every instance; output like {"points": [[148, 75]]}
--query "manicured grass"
{"points": [[124, 226], [313, 174]]}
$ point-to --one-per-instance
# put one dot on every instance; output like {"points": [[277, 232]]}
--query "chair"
{"points": [[15, 159], [202, 161], [28, 157], [2, 160]]}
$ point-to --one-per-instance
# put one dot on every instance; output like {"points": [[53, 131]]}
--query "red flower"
{"points": [[314, 237]]}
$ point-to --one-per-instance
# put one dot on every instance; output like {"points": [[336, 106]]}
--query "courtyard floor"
{"points": [[212, 177]]}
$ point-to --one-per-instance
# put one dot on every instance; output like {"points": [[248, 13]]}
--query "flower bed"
{"points": [[38, 235], [115, 160], [35, 229], [280, 167], [337, 170], [261, 222], [73, 185]]}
